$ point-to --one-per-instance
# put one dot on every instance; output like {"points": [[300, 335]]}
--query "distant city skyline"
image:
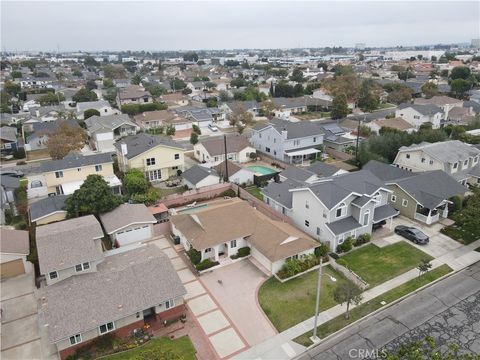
{"points": [[182, 25]]}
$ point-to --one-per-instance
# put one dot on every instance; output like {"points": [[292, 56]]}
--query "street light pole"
{"points": [[317, 303]]}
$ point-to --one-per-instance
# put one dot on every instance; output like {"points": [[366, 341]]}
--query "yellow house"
{"points": [[63, 177], [158, 157]]}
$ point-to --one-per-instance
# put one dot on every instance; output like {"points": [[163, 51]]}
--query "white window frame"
{"points": [[98, 168], [59, 174], [169, 304], [75, 339], [207, 250], [106, 327], [367, 214], [340, 207], [154, 175], [53, 277], [404, 202], [150, 161], [393, 198], [307, 223], [176, 157], [307, 205], [233, 244], [83, 266], [407, 156]]}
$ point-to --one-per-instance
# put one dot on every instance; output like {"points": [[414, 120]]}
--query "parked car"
{"points": [[175, 238], [412, 234], [213, 127], [378, 225], [12, 173]]}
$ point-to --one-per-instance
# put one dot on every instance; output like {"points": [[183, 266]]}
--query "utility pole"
{"points": [[226, 164], [358, 136]]}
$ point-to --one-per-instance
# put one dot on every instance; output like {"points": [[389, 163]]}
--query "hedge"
{"points": [[242, 252], [206, 264], [134, 109], [194, 255]]}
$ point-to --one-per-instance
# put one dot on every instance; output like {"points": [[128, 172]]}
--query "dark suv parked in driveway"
{"points": [[412, 234]]}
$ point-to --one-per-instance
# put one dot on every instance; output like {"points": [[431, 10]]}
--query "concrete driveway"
{"points": [[237, 295], [21, 335]]}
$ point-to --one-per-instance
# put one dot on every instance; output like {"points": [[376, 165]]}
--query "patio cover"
{"points": [[70, 187], [384, 212], [303, 152]]}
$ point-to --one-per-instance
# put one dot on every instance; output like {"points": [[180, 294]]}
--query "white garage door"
{"points": [[261, 259], [133, 235]]}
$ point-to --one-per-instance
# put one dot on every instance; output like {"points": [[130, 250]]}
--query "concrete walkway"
{"points": [[282, 347]]}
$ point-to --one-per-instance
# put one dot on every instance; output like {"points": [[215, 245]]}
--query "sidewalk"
{"points": [[281, 345]]}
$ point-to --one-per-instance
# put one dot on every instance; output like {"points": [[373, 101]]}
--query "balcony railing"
{"points": [[427, 219]]}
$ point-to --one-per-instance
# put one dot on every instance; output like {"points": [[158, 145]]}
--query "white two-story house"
{"points": [[288, 141], [417, 115], [457, 159]]}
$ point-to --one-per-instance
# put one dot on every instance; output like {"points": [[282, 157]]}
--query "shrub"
{"points": [[346, 246], [103, 343], [19, 154], [134, 109], [242, 252], [229, 193], [322, 250], [295, 266], [90, 112], [342, 262], [194, 255], [206, 264], [457, 203], [362, 239]]}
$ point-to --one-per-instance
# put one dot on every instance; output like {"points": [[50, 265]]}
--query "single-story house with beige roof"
{"points": [[212, 150], [128, 223], [219, 230], [395, 123], [14, 248]]}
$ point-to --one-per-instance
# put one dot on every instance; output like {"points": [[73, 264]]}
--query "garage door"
{"points": [[12, 268], [134, 235]]}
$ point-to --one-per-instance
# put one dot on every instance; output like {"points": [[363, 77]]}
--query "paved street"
{"points": [[449, 311]]}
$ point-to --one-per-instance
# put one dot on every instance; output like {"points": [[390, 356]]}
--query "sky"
{"points": [[184, 25]]}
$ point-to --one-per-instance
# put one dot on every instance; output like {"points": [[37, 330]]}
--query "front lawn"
{"points": [[161, 348], [376, 265], [287, 304], [255, 191], [368, 307]]}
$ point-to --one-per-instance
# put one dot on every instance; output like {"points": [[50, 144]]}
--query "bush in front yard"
{"points": [[322, 250], [296, 266], [346, 246], [363, 239], [206, 264], [194, 255], [242, 252]]}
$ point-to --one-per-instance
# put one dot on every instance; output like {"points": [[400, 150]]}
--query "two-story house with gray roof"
{"points": [[290, 142], [90, 293], [457, 159], [103, 131], [417, 115]]}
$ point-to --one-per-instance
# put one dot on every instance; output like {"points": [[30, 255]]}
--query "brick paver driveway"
{"points": [[237, 295]]}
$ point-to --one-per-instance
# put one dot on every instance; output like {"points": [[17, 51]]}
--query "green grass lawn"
{"points": [[376, 265], [179, 349], [368, 307], [463, 235], [255, 191], [287, 304], [385, 105], [169, 191]]}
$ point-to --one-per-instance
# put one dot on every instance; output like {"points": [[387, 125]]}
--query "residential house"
{"points": [[219, 230], [47, 210], [175, 100], [102, 106], [461, 115], [446, 103], [36, 134], [457, 159], [128, 224], [90, 293], [8, 185], [134, 95], [14, 248], [48, 113], [334, 208], [337, 138], [202, 117], [310, 174], [63, 177], [155, 119], [8, 140], [417, 115], [158, 157], [284, 107], [395, 123], [200, 176], [288, 141], [422, 196], [211, 151], [103, 131], [235, 173]]}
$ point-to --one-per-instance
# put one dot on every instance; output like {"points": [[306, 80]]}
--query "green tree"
{"points": [[210, 85], [114, 72], [347, 293], [193, 138], [405, 75], [16, 74], [108, 83], [297, 75], [136, 79], [170, 130], [190, 56], [402, 95], [186, 91], [90, 85], [424, 266], [460, 72], [430, 89], [224, 95], [459, 87], [50, 99], [94, 197], [135, 182], [65, 139], [90, 61], [12, 88], [212, 102], [196, 129], [177, 84], [339, 107], [90, 112], [84, 95]]}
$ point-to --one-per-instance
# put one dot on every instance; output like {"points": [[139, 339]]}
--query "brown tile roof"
{"points": [[396, 123], [14, 241], [159, 115], [215, 145], [237, 219], [438, 100], [133, 93]]}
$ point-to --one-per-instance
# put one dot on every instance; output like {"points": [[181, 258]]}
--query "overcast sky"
{"points": [[158, 25]]}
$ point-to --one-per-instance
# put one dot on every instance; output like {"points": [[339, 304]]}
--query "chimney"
{"points": [[124, 149], [284, 134]]}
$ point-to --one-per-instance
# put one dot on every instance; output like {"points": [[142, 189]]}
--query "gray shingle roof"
{"points": [[297, 130], [343, 225], [107, 123], [386, 172], [323, 169], [125, 215], [197, 173], [67, 243], [82, 106], [47, 206], [8, 133], [280, 192], [138, 144], [446, 151], [124, 284], [384, 212], [74, 161], [215, 145], [428, 109], [296, 173]]}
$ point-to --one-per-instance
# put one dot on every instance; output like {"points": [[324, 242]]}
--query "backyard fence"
{"points": [[205, 193]]}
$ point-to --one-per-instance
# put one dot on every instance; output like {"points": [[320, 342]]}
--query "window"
{"points": [[53, 275], [174, 167], [82, 267], [455, 165], [176, 156], [307, 223], [465, 163], [366, 217], [314, 139], [274, 152], [105, 328], [59, 174], [296, 142], [423, 160], [404, 202], [324, 215], [319, 231], [98, 168], [340, 210], [307, 205], [75, 339], [233, 243], [475, 160], [267, 149], [150, 161], [207, 250], [431, 162], [275, 140], [407, 156], [416, 117], [154, 175], [393, 198], [169, 304]]}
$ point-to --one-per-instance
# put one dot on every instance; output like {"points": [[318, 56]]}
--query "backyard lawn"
{"points": [[287, 304], [368, 307], [376, 265], [255, 191], [163, 348]]}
